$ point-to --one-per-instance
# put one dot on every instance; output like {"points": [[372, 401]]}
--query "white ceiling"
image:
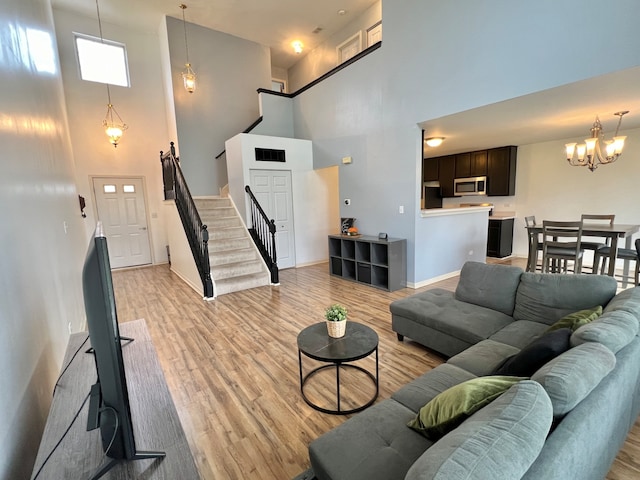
{"points": [[559, 113], [274, 23]]}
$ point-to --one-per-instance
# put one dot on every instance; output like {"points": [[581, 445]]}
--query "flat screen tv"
{"points": [[109, 402]]}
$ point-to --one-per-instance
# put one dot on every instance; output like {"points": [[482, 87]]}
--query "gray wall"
{"points": [[229, 71], [439, 58], [40, 293]]}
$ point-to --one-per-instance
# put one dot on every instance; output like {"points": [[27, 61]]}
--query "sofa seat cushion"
{"points": [[614, 330], [483, 357], [546, 298], [376, 443], [437, 309], [424, 388], [627, 300], [490, 286], [498, 442], [520, 333], [570, 377]]}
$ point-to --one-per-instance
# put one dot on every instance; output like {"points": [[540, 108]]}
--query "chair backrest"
{"points": [[638, 248], [562, 234], [598, 218]]}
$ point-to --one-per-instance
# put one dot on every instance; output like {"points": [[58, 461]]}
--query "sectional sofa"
{"points": [[567, 420]]}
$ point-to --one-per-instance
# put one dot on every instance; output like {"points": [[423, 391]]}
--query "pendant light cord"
{"points": [[102, 41], [184, 24]]}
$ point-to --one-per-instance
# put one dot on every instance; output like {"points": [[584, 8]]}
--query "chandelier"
{"points": [[188, 76], [591, 153]]}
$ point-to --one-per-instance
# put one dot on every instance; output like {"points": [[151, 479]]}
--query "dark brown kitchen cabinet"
{"points": [[472, 164], [447, 171], [430, 170], [500, 238], [501, 171]]}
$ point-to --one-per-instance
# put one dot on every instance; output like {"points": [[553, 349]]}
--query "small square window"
{"points": [[102, 61], [129, 188], [109, 189]]}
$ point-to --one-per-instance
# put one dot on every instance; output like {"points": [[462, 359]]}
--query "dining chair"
{"points": [[595, 245], [532, 263], [627, 254], [561, 245]]}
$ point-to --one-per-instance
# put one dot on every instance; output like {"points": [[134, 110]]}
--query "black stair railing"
{"points": [[175, 188], [263, 233]]}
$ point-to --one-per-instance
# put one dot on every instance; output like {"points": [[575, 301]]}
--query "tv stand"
{"points": [[155, 420]]}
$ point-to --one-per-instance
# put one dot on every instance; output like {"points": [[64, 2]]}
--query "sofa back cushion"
{"points": [[570, 377], [490, 286], [627, 300], [498, 442], [614, 330], [547, 297]]}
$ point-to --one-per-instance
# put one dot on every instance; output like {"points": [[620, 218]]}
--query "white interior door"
{"points": [[120, 205], [272, 188]]}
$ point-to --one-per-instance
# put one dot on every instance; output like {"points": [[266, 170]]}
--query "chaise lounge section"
{"points": [[567, 421]]}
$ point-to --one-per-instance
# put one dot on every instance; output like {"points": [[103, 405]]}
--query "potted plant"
{"points": [[336, 317]]}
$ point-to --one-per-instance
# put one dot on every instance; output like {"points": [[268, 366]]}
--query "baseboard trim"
{"points": [[430, 281]]}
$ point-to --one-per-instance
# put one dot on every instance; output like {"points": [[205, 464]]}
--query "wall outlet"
{"points": [[65, 226], [401, 209], [70, 328]]}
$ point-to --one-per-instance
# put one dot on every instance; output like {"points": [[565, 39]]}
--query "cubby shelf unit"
{"points": [[369, 260]]}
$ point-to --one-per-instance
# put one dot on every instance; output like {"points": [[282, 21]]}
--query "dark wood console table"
{"points": [[155, 419]]}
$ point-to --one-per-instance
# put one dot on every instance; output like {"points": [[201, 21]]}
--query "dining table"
{"points": [[607, 231]]}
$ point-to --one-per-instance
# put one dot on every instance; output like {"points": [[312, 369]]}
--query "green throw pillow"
{"points": [[577, 319], [450, 408]]}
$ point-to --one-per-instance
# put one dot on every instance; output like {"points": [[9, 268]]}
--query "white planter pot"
{"points": [[336, 329]]}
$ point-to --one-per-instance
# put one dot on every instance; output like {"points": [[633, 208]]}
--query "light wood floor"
{"points": [[232, 366]]}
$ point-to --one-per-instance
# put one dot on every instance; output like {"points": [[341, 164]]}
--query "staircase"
{"points": [[235, 262]]}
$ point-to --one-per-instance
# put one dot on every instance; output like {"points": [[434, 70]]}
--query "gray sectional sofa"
{"points": [[568, 421]]}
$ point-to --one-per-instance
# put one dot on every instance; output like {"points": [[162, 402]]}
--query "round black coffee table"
{"points": [[358, 342]]}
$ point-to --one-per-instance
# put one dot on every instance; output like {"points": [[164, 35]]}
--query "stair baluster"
{"points": [[263, 233]]}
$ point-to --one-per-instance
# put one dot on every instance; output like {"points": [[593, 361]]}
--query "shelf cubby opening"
{"points": [[349, 269], [379, 254], [335, 247], [380, 277], [363, 252], [348, 249], [336, 266]]}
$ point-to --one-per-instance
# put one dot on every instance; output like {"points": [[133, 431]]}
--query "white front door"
{"points": [[120, 205], [272, 189]]}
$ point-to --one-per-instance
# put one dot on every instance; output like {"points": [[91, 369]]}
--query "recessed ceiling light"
{"points": [[342, 12]]}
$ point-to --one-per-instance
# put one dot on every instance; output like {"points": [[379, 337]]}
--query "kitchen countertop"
{"points": [[453, 210], [503, 215]]}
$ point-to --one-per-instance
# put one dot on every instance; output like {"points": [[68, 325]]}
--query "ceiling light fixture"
{"points": [[188, 76], [113, 127], [590, 154], [297, 46], [434, 141]]}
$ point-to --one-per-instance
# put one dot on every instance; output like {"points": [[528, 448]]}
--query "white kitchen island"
{"points": [[446, 238]]}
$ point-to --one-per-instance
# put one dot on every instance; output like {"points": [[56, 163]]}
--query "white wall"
{"points": [[314, 191], [141, 106], [439, 58], [324, 57], [40, 291], [229, 71]]}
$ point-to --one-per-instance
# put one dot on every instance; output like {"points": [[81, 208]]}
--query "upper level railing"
{"points": [[263, 233], [175, 188]]}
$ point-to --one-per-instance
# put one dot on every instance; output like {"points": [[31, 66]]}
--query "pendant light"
{"points": [[188, 76], [112, 123]]}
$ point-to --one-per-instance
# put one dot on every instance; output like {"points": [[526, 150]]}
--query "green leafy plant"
{"points": [[335, 313]]}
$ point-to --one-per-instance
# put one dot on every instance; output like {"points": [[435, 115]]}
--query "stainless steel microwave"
{"points": [[470, 186]]}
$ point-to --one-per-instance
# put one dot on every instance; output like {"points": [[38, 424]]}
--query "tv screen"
{"points": [[109, 405]]}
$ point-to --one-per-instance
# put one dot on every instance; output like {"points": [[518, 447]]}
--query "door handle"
{"points": [[142, 228]]}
